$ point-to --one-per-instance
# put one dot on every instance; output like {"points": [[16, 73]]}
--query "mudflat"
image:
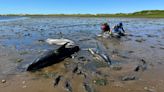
{"points": [[137, 59]]}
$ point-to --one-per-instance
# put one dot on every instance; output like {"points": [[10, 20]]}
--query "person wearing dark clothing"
{"points": [[119, 29], [105, 27]]}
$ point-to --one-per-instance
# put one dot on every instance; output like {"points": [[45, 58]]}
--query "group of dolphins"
{"points": [[68, 47]]}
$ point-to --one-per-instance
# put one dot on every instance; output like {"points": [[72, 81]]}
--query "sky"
{"points": [[77, 6]]}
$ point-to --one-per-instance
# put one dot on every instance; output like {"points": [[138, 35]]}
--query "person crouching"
{"points": [[106, 29], [118, 29]]}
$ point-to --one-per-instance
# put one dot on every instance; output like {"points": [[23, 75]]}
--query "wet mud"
{"points": [[137, 60]]}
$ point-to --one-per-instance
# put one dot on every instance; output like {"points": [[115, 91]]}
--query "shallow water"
{"points": [[11, 18], [30, 30]]}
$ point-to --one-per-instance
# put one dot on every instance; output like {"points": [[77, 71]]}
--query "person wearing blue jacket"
{"points": [[119, 29]]}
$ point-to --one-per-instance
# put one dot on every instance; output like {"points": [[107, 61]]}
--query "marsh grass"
{"points": [[139, 14]]}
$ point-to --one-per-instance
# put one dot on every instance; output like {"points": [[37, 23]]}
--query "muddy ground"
{"points": [[137, 59]]}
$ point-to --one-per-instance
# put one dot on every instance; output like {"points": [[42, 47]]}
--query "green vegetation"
{"points": [[149, 13], [18, 60], [47, 74], [23, 52], [140, 14], [101, 82]]}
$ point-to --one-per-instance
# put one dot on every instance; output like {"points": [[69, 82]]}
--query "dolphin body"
{"points": [[104, 56], [52, 57], [60, 42]]}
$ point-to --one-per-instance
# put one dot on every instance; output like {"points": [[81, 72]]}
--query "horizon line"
{"points": [[76, 13]]}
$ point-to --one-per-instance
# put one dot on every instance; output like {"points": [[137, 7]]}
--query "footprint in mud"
{"points": [[68, 86], [151, 36], [41, 40], [128, 78], [87, 87], [115, 51], [78, 70], [142, 66], [140, 40], [85, 39], [131, 51], [82, 58], [152, 46], [124, 54], [57, 80]]}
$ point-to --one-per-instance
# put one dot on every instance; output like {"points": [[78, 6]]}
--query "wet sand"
{"points": [[21, 42]]}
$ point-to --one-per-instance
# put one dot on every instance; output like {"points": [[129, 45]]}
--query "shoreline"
{"points": [[138, 14], [86, 16]]}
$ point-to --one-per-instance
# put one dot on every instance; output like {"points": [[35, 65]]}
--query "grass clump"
{"points": [[101, 82]]}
